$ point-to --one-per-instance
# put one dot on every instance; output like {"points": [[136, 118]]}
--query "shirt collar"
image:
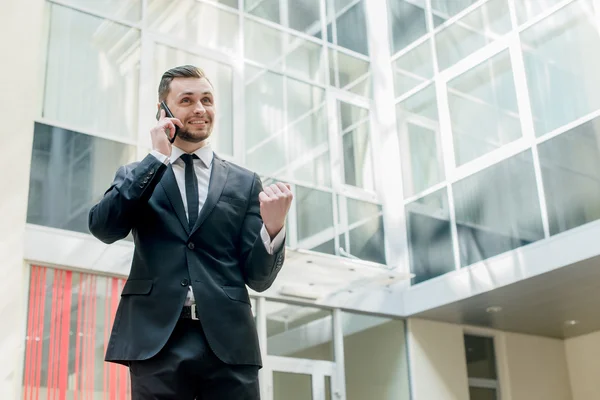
{"points": [[204, 153]]}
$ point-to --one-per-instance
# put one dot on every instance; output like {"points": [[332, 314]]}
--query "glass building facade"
{"points": [[494, 144], [495, 106]]}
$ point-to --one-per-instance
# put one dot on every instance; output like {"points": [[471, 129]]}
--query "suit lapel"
{"points": [[218, 177], [169, 185]]}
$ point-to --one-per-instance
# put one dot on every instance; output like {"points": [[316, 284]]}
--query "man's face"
{"points": [[191, 100]]}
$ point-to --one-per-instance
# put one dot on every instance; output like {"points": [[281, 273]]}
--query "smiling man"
{"points": [[203, 228]]}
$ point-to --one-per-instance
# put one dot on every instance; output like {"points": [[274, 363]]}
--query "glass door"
{"points": [[297, 379]]}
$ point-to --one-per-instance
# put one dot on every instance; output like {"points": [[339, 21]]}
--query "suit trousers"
{"points": [[187, 369]]}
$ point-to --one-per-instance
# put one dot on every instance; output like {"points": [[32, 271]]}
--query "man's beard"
{"points": [[187, 136]]}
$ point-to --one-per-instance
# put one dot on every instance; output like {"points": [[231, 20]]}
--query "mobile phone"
{"points": [[169, 114]]}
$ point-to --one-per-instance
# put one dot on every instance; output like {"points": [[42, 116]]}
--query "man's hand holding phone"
{"points": [[163, 134]]}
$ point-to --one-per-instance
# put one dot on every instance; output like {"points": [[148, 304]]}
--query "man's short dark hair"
{"points": [[184, 71]]}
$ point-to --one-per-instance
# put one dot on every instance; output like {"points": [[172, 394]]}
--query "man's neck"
{"points": [[190, 147]]}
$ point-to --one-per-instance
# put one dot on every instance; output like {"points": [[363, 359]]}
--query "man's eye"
{"points": [[206, 100], [185, 100]]}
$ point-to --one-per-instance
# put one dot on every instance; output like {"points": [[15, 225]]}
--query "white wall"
{"points": [[438, 367], [21, 49], [537, 368], [583, 359]]}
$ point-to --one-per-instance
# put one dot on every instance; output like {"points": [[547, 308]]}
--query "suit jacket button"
{"points": [[184, 282], [191, 246]]}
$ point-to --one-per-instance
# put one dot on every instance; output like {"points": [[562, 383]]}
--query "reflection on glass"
{"points": [[70, 172], [351, 28], [571, 173], [443, 9], [302, 98], [380, 344], [358, 162], [559, 65], [70, 314], [420, 142], [263, 44], [497, 209], [304, 59], [195, 22], [292, 386], [477, 393], [269, 157], [429, 236], [314, 209], [367, 241], [264, 107], [360, 210], [350, 69], [481, 357], [472, 32], [328, 388], [328, 247], [407, 21], [267, 9], [351, 114], [304, 15], [221, 78], [92, 73], [299, 332], [130, 10], [530, 9], [413, 68], [230, 3], [483, 109]]}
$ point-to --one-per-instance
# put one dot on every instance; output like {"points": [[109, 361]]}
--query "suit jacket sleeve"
{"points": [[114, 216], [260, 268]]}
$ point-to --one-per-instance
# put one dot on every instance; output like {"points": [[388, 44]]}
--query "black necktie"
{"points": [[191, 188]]}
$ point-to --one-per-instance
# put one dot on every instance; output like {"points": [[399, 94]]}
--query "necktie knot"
{"points": [[188, 159]]}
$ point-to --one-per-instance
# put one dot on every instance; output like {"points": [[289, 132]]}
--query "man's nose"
{"points": [[199, 108]]}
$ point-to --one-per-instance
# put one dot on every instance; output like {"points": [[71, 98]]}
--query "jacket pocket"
{"points": [[233, 200], [237, 293], [137, 286]]}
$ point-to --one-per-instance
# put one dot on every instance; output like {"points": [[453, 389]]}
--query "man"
{"points": [[203, 229]]}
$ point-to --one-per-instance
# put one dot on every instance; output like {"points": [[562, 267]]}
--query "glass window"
{"points": [[429, 236], [266, 9], [358, 161], [264, 106], [497, 209], [372, 345], [571, 173], [292, 386], [92, 73], [302, 99], [308, 149], [195, 22], [483, 108], [481, 360], [130, 10], [70, 172], [268, 158], [420, 142], [407, 21], [481, 367], [560, 65], [356, 147], [478, 393], [351, 28], [472, 32], [359, 210], [221, 78], [230, 3], [314, 212], [263, 44], [443, 9], [70, 317], [413, 68], [328, 247], [304, 15], [367, 241], [304, 59], [299, 332], [530, 9]]}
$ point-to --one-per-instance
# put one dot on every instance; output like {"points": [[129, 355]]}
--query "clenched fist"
{"points": [[275, 201]]}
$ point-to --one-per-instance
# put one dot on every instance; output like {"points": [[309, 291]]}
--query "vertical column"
{"points": [[21, 83], [385, 138]]}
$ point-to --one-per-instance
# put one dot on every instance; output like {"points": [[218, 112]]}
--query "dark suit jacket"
{"points": [[218, 257]]}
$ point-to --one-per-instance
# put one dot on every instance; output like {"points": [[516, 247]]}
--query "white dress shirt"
{"points": [[203, 168]]}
